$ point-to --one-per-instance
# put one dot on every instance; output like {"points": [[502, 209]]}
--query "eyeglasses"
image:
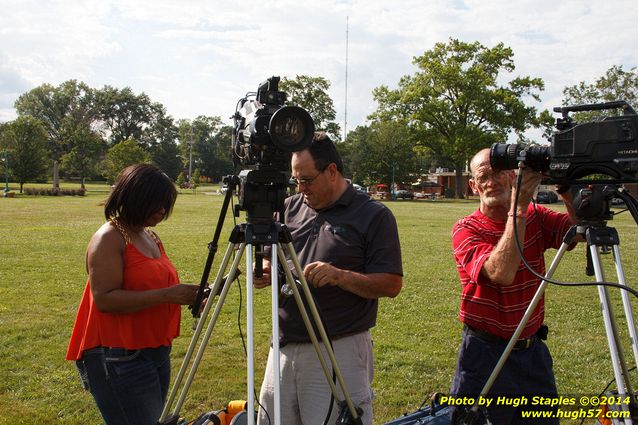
{"points": [[305, 182], [490, 175]]}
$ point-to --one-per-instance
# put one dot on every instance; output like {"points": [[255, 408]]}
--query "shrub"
{"points": [[40, 191]]}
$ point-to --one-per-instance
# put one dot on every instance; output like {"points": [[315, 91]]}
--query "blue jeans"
{"points": [[129, 386]]}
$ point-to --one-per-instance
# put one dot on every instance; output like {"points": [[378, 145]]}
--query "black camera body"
{"points": [[608, 146], [265, 134]]}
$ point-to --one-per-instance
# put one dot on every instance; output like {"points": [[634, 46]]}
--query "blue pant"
{"points": [[527, 372], [129, 386]]}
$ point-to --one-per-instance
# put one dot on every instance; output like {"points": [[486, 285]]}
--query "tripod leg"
{"points": [[207, 335], [274, 286], [250, 340], [322, 332], [615, 349], [626, 300]]}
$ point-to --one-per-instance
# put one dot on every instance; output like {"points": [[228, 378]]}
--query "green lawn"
{"points": [[42, 276]]}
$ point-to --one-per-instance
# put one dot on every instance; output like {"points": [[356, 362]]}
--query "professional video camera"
{"points": [[608, 146], [265, 134]]}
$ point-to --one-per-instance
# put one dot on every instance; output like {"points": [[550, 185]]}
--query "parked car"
{"points": [[617, 202], [546, 197], [359, 188], [421, 195], [403, 194]]}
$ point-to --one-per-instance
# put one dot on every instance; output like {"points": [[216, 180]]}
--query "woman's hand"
{"points": [[182, 294]]}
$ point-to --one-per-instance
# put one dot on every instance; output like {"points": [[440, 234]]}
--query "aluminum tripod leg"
{"points": [[200, 325], [250, 330], [626, 300], [274, 260], [274, 285], [621, 373]]}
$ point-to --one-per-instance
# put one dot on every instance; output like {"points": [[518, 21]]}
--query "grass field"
{"points": [[42, 276]]}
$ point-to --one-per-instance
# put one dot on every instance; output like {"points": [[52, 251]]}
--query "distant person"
{"points": [[348, 246], [130, 310], [498, 288]]}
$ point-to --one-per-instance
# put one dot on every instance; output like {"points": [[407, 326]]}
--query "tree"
{"points": [[311, 94], [196, 180], [121, 156], [87, 148], [211, 150], [124, 114], [181, 179], [60, 109], [355, 154], [456, 104], [381, 153], [217, 155], [160, 140], [25, 139], [616, 84]]}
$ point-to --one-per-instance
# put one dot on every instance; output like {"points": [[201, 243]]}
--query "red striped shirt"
{"points": [[495, 308]]}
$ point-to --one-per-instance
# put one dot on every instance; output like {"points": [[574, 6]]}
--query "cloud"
{"points": [[12, 85], [199, 57]]}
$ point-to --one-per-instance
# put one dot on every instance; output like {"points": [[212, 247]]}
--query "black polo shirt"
{"points": [[355, 233]]}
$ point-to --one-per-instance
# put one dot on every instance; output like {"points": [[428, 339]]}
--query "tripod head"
{"points": [[592, 204], [592, 209], [262, 193]]}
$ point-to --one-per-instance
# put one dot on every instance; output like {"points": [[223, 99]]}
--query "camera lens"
{"points": [[504, 156], [537, 157], [291, 129]]}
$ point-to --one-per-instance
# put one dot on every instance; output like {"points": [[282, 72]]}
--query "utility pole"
{"points": [[6, 174], [190, 154], [190, 160], [345, 114]]}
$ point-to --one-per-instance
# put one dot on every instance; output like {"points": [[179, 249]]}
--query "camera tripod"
{"points": [[600, 238], [244, 239]]}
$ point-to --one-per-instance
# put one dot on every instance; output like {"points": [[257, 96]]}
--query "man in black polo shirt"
{"points": [[349, 248]]}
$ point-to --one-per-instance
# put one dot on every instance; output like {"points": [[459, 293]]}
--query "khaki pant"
{"points": [[305, 394]]}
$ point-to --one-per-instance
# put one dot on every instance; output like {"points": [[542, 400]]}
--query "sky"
{"points": [[199, 57]]}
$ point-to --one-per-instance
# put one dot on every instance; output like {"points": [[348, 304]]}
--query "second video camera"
{"points": [[608, 146]]}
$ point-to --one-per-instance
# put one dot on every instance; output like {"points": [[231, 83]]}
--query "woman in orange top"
{"points": [[130, 310]]}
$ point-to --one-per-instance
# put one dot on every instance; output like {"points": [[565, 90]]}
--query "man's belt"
{"points": [[521, 344]]}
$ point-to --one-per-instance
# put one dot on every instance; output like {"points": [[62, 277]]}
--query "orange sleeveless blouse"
{"points": [[148, 328]]}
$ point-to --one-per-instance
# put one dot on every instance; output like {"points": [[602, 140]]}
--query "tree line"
{"points": [[82, 132], [458, 101]]}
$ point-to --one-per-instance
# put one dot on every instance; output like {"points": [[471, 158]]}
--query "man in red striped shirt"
{"points": [[498, 288]]}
